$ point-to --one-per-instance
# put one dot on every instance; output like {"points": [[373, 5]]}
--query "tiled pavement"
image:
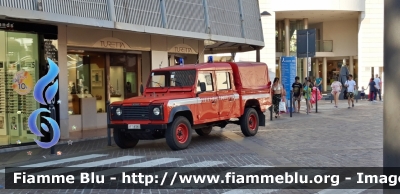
{"points": [[330, 138]]}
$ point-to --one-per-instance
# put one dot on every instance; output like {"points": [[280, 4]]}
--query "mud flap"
{"points": [[261, 118]]}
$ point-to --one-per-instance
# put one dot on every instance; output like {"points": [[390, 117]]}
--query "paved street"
{"points": [[330, 138]]}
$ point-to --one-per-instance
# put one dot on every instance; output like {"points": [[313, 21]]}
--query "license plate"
{"points": [[133, 126]]}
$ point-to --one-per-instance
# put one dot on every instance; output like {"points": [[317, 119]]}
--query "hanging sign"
{"points": [[22, 82]]}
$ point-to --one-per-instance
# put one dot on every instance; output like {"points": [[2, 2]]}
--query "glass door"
{"points": [[123, 76], [20, 74]]}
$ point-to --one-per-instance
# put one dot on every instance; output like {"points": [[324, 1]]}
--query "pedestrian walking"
{"points": [[318, 83], [377, 92], [372, 90], [297, 93], [350, 84], [277, 96], [307, 95], [336, 89], [362, 94]]}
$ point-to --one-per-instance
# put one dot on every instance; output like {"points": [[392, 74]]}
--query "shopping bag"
{"points": [[282, 106]]}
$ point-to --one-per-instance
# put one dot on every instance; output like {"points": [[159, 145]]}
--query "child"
{"points": [[307, 94], [362, 93]]}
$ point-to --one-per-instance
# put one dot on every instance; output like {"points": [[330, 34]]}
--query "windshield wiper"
{"points": [[157, 83]]}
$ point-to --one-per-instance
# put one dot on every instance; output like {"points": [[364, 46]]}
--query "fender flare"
{"points": [[176, 110]]}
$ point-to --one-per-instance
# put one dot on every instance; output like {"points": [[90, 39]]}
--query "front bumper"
{"points": [[142, 126]]}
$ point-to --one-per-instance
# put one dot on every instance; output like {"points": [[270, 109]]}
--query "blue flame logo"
{"points": [[46, 99]]}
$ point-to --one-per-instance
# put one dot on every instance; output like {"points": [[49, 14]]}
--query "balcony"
{"points": [[320, 46]]}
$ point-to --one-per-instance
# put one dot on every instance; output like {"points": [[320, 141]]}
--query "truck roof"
{"points": [[248, 75]]}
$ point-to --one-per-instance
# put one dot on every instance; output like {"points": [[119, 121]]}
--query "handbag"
{"points": [[282, 106]]}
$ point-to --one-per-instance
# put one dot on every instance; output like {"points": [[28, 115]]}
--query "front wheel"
{"points": [[249, 122], [124, 140], [179, 133], [204, 131]]}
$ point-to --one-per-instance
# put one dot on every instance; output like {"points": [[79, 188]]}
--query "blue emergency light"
{"points": [[181, 62], [210, 59]]}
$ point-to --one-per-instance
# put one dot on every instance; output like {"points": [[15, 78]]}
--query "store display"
{"points": [[18, 90], [115, 92]]}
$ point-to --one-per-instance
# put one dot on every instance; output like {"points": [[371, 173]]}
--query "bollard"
{"points": [[316, 100], [291, 103], [108, 122], [270, 110]]}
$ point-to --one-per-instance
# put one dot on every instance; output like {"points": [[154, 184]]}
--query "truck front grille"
{"points": [[135, 112]]}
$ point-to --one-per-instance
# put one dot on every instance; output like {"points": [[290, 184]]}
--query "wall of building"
{"points": [[311, 5], [370, 40], [344, 36]]}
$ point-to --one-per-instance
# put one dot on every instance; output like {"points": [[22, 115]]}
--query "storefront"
{"points": [[23, 50], [111, 65]]}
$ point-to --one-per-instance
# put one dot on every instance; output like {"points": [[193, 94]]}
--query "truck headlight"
{"points": [[156, 111], [118, 111]]}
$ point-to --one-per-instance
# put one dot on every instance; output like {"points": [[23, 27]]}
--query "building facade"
{"points": [[347, 32], [105, 50]]}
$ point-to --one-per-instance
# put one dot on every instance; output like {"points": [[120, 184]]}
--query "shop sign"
{"points": [[6, 25], [111, 43], [22, 82], [182, 48]]}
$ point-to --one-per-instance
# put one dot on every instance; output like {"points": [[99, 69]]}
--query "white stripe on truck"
{"points": [[198, 100]]}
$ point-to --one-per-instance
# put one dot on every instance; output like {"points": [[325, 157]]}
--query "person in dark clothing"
{"points": [[297, 93], [372, 89]]}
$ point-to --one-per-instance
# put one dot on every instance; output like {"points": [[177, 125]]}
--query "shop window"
{"points": [[223, 80], [86, 80], [123, 76], [205, 77], [19, 72]]}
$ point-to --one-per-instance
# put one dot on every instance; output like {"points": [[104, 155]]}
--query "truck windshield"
{"points": [[183, 78]]}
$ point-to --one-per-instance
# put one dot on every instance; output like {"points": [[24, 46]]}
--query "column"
{"points": [[324, 75], [305, 69], [391, 132], [316, 67], [63, 81], [280, 29], [258, 55], [351, 65], [287, 38]]}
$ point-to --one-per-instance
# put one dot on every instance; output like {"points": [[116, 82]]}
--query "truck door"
{"points": [[226, 93], [207, 110]]}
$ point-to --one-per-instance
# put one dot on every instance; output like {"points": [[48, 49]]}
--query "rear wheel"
{"points": [[124, 140], [179, 134], [204, 131], [249, 122]]}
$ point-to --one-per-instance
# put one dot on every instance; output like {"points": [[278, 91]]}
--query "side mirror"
{"points": [[203, 87], [141, 89]]}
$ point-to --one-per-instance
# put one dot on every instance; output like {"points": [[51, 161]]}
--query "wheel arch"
{"points": [[181, 111], [254, 103]]}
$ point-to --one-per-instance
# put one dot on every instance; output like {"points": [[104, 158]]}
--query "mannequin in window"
{"points": [[73, 88]]}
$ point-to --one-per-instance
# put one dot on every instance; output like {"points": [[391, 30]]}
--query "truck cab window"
{"points": [[205, 77], [223, 80], [183, 78]]}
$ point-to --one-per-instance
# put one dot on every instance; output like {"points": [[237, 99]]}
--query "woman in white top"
{"points": [[277, 89], [336, 89]]}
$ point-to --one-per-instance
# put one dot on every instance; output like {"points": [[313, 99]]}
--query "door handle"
{"points": [[214, 101]]}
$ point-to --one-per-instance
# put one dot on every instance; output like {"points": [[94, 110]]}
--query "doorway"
{"points": [[123, 76]]}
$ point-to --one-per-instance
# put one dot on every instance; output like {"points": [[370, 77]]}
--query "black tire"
{"points": [[204, 131], [124, 140], [179, 133], [249, 122]]}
